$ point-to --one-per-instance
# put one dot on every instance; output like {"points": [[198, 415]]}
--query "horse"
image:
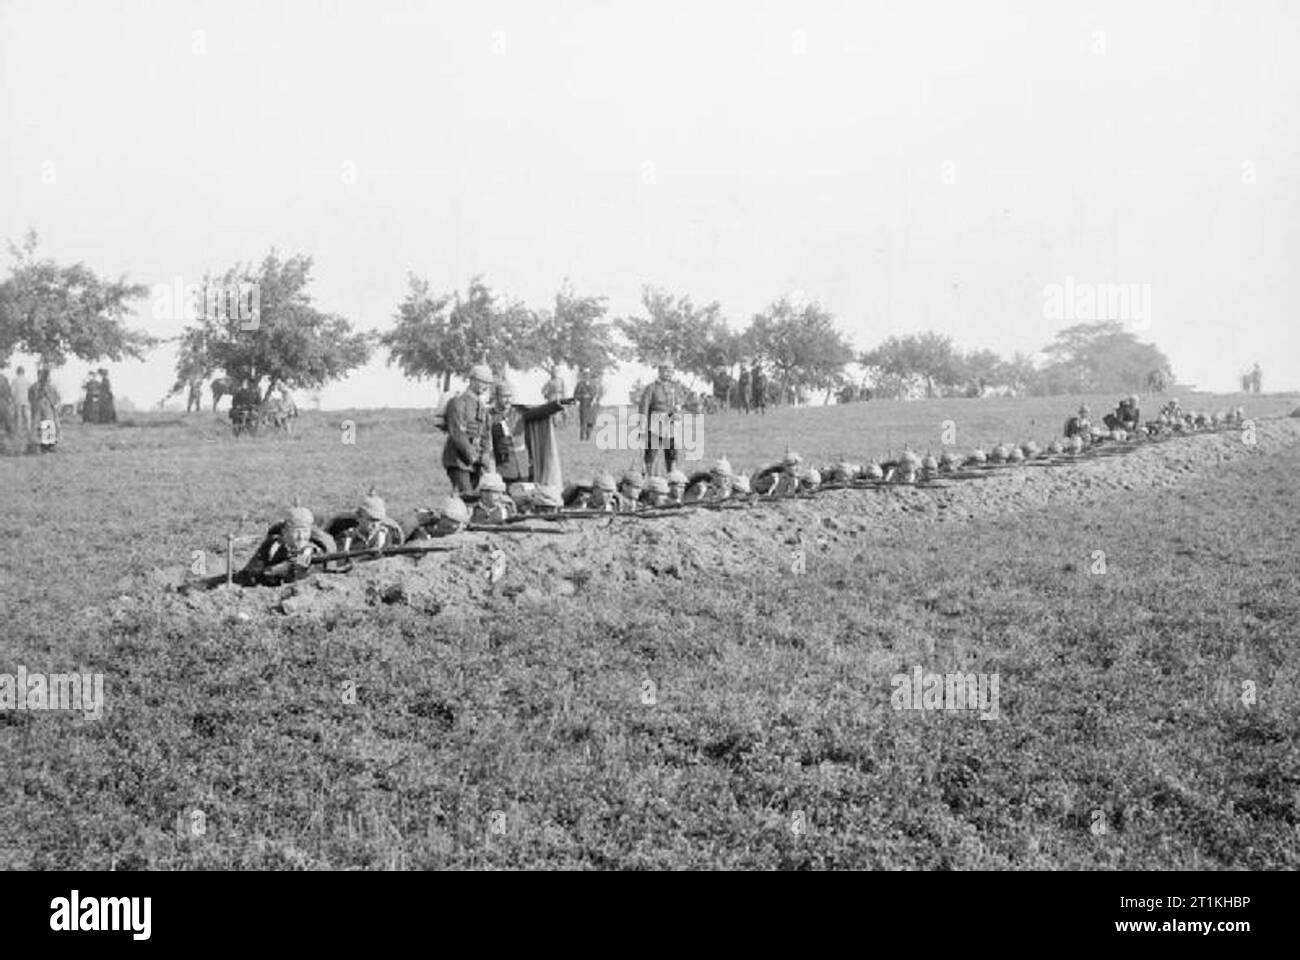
{"points": [[221, 387]]}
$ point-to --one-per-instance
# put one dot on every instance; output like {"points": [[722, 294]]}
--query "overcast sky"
{"points": [[912, 165]]}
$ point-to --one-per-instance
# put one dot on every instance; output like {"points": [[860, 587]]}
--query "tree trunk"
{"points": [[446, 381]]}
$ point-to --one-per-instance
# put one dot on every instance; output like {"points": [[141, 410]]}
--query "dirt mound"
{"points": [[591, 556]]}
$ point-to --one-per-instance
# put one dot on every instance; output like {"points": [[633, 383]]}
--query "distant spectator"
{"points": [[107, 408], [758, 388], [22, 402], [553, 391], [44, 400]]}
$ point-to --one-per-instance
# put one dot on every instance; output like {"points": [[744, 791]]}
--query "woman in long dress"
{"points": [[44, 400]]}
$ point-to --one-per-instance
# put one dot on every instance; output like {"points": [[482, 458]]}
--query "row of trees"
{"points": [[58, 312], [1085, 358]]}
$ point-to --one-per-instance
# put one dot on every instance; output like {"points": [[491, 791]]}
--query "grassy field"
{"points": [[520, 736]]}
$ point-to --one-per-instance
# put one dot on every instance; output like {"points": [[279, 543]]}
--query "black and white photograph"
{"points": [[607, 436]]}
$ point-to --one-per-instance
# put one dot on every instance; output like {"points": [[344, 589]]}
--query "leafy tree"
{"points": [[929, 358], [1020, 373], [674, 327], [57, 311], [801, 345], [977, 370], [287, 342], [442, 336], [1099, 357], [577, 334]]}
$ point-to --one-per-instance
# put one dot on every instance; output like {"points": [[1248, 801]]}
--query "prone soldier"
{"points": [[604, 495], [451, 517], [677, 482], [1079, 425], [656, 492], [287, 551], [779, 480], [1127, 416], [629, 492], [367, 528], [494, 506]]}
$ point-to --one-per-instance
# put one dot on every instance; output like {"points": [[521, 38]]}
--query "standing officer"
{"points": [[585, 394], [660, 405], [467, 448], [758, 389]]}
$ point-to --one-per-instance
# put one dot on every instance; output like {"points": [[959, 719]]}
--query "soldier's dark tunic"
{"points": [[273, 564], [1077, 426], [586, 397], [1125, 417], [758, 391], [107, 409], [657, 403], [90, 412], [468, 439]]}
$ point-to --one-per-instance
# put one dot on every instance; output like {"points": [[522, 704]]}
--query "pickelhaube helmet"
{"points": [[453, 508], [299, 518], [492, 483], [373, 506], [605, 482], [677, 478]]}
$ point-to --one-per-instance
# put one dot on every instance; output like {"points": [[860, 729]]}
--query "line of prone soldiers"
{"points": [[1172, 419], [297, 544]]}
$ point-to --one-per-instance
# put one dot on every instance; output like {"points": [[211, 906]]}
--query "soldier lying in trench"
{"points": [[287, 551]]}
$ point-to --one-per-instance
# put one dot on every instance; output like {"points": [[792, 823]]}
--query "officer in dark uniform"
{"points": [[660, 405], [758, 389], [585, 394], [1127, 416], [468, 439]]}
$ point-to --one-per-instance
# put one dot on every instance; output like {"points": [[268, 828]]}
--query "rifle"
{"points": [[506, 526], [369, 553]]}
